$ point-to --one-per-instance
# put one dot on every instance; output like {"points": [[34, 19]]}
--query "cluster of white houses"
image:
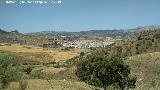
{"points": [[88, 44]]}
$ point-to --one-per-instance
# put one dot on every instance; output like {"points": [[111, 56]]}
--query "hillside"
{"points": [[91, 34], [143, 66], [52, 37], [146, 67], [3, 32], [143, 42], [56, 68], [114, 33], [142, 53], [11, 37]]}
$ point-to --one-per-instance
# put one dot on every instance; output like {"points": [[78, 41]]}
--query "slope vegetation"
{"points": [[146, 67]]}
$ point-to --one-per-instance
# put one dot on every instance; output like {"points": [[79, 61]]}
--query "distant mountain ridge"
{"points": [[103, 32], [45, 36], [3, 32], [149, 27]]}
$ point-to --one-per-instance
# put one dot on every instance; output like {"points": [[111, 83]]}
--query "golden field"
{"points": [[41, 55], [39, 84]]}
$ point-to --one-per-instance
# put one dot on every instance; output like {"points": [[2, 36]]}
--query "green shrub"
{"points": [[102, 71], [9, 71]]}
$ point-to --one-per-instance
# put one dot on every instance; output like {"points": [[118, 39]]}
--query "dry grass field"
{"points": [[39, 84], [52, 70], [41, 55], [146, 67]]}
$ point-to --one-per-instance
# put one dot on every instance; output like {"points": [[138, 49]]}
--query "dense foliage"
{"points": [[103, 70]]}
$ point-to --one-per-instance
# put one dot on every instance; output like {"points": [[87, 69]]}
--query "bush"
{"points": [[9, 71], [102, 71], [82, 54]]}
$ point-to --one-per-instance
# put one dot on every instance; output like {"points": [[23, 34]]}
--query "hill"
{"points": [[11, 37], [137, 48], [146, 41], [52, 37], [146, 67], [114, 33]]}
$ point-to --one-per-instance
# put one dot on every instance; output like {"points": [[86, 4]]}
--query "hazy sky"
{"points": [[78, 15]]}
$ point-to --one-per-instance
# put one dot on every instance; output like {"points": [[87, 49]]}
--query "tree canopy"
{"points": [[104, 71]]}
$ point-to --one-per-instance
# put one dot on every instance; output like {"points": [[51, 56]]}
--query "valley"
{"points": [[45, 61]]}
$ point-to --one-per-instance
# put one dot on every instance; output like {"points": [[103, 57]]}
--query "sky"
{"points": [[78, 15]]}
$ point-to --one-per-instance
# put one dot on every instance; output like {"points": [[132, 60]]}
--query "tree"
{"points": [[103, 71]]}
